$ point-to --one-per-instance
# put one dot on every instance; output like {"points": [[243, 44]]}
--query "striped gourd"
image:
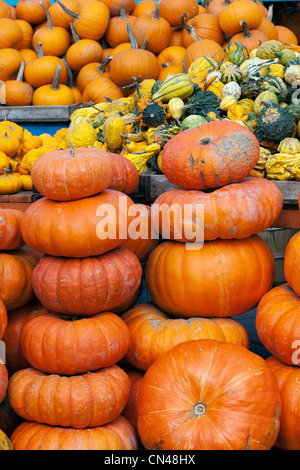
{"points": [[177, 86]]}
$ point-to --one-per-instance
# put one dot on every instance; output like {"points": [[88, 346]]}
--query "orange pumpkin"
{"points": [[10, 229], [3, 319], [285, 35], [241, 10], [203, 26], [201, 394], [197, 158], [250, 38], [182, 282], [31, 10], [203, 47], [173, 11], [116, 32]]}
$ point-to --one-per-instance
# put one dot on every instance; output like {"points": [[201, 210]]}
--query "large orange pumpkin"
{"points": [[185, 282], [10, 229], [203, 48], [153, 333], [117, 435], [65, 175], [234, 211], [15, 277], [278, 324], [15, 359], [81, 227], [173, 11], [78, 399], [291, 263], [210, 156], [241, 10], [288, 378], [89, 285], [209, 395], [54, 344], [126, 177]]}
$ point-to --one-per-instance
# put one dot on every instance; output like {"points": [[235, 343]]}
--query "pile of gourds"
{"points": [[79, 51], [19, 150]]}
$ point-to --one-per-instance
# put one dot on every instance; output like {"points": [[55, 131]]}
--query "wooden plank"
{"points": [[37, 113], [289, 217], [290, 191], [21, 206], [20, 197]]}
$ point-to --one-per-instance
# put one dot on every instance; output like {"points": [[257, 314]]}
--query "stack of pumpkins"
{"points": [[16, 266], [203, 388], [69, 336], [278, 328]]}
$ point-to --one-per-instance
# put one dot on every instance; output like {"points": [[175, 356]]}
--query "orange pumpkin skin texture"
{"points": [[15, 277], [3, 319], [117, 435], [89, 285], [3, 380], [78, 400], [153, 333], [205, 47], [234, 211], [10, 229], [216, 387], [143, 245], [126, 177], [277, 322], [240, 10], [173, 11], [186, 283], [15, 359], [65, 175], [69, 228], [54, 344], [130, 411], [288, 378], [291, 263], [210, 156]]}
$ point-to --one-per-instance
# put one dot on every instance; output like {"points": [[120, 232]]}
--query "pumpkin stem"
{"points": [[74, 34], [70, 74], [183, 66], [135, 82], [20, 72], [199, 409], [49, 19], [123, 14], [190, 29], [145, 44], [55, 81], [69, 12], [40, 50], [72, 150], [270, 13], [103, 66], [205, 140], [246, 30], [133, 42], [156, 12]]}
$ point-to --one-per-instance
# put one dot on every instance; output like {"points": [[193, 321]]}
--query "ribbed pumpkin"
{"points": [[153, 333], [182, 282], [55, 94], [241, 10], [288, 378], [41, 70], [210, 156], [130, 411], [78, 399], [291, 263], [15, 359], [56, 280], [55, 344], [32, 11], [203, 26], [79, 225], [65, 175], [16, 267], [126, 178], [10, 229], [3, 380], [3, 319], [144, 240], [82, 52], [173, 11], [204, 47], [201, 395], [257, 203], [117, 435], [277, 323]]}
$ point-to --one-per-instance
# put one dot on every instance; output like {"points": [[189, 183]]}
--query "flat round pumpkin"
{"points": [[209, 395], [278, 323], [78, 399], [10, 229], [234, 211], [186, 282], [78, 228], [210, 156], [55, 344], [117, 435], [65, 175], [153, 333], [76, 286]]}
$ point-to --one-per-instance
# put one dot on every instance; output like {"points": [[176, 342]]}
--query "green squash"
{"points": [[231, 73], [153, 115], [193, 120], [275, 123]]}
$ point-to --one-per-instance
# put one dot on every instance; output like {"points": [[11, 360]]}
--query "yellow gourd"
{"points": [[82, 135], [113, 131], [9, 183]]}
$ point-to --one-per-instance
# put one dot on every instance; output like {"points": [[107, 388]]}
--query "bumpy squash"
{"points": [[113, 128]]}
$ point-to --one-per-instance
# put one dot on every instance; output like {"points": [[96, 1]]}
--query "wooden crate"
{"points": [[37, 113]]}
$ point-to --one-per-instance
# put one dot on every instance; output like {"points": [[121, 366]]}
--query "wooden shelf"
{"points": [[37, 113]]}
